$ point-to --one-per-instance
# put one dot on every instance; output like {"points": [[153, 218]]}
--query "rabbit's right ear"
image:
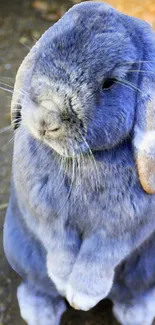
{"points": [[21, 86], [23, 77]]}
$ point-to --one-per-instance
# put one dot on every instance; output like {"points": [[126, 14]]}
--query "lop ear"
{"points": [[24, 76], [21, 86], [144, 129]]}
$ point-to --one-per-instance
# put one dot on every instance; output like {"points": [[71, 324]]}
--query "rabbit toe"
{"points": [[81, 301]]}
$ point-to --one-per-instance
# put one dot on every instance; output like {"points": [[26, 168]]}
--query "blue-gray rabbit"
{"points": [[81, 218]]}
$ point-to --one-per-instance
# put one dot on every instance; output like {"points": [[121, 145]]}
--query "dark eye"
{"points": [[107, 84]]}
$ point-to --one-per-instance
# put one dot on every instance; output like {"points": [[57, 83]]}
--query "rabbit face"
{"points": [[77, 99], [81, 93]]}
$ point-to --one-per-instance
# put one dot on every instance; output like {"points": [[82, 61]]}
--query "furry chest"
{"points": [[118, 199]]}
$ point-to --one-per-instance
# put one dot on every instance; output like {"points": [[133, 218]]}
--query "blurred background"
{"points": [[21, 24]]}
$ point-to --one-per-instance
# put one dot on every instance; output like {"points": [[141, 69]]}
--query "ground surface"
{"points": [[20, 24]]}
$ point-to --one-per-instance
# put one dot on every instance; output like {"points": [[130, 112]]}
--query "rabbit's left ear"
{"points": [[144, 128]]}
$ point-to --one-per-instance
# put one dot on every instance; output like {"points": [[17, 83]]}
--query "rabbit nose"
{"points": [[52, 126], [53, 130]]}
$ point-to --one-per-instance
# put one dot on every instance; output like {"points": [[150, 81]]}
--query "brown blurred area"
{"points": [[144, 9], [21, 23]]}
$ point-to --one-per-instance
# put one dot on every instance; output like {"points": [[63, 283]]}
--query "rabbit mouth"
{"points": [[68, 143], [69, 148]]}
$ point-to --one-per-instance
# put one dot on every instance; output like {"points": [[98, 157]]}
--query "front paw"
{"points": [[58, 272], [60, 283], [81, 301], [85, 292]]}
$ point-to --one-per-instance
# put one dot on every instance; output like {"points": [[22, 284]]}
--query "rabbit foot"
{"points": [[39, 309], [140, 312]]}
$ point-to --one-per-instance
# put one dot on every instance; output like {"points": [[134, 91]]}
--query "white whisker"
{"points": [[142, 71], [5, 84], [6, 144], [129, 84], [137, 61], [10, 91], [6, 129], [93, 160], [72, 182], [8, 78]]}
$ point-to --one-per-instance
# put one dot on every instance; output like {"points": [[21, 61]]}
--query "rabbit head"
{"points": [[88, 84]]}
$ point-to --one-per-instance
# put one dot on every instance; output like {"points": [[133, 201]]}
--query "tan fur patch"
{"points": [[146, 171]]}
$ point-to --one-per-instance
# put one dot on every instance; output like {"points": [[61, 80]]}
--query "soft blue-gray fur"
{"points": [[82, 222]]}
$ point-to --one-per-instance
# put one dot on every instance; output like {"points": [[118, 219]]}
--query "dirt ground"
{"points": [[21, 23]]}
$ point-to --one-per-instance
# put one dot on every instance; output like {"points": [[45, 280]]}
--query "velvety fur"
{"points": [[78, 216]]}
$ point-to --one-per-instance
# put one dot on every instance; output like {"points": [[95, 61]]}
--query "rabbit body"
{"points": [[79, 222]]}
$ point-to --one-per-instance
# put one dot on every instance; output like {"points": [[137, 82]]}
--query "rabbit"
{"points": [[80, 224]]}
